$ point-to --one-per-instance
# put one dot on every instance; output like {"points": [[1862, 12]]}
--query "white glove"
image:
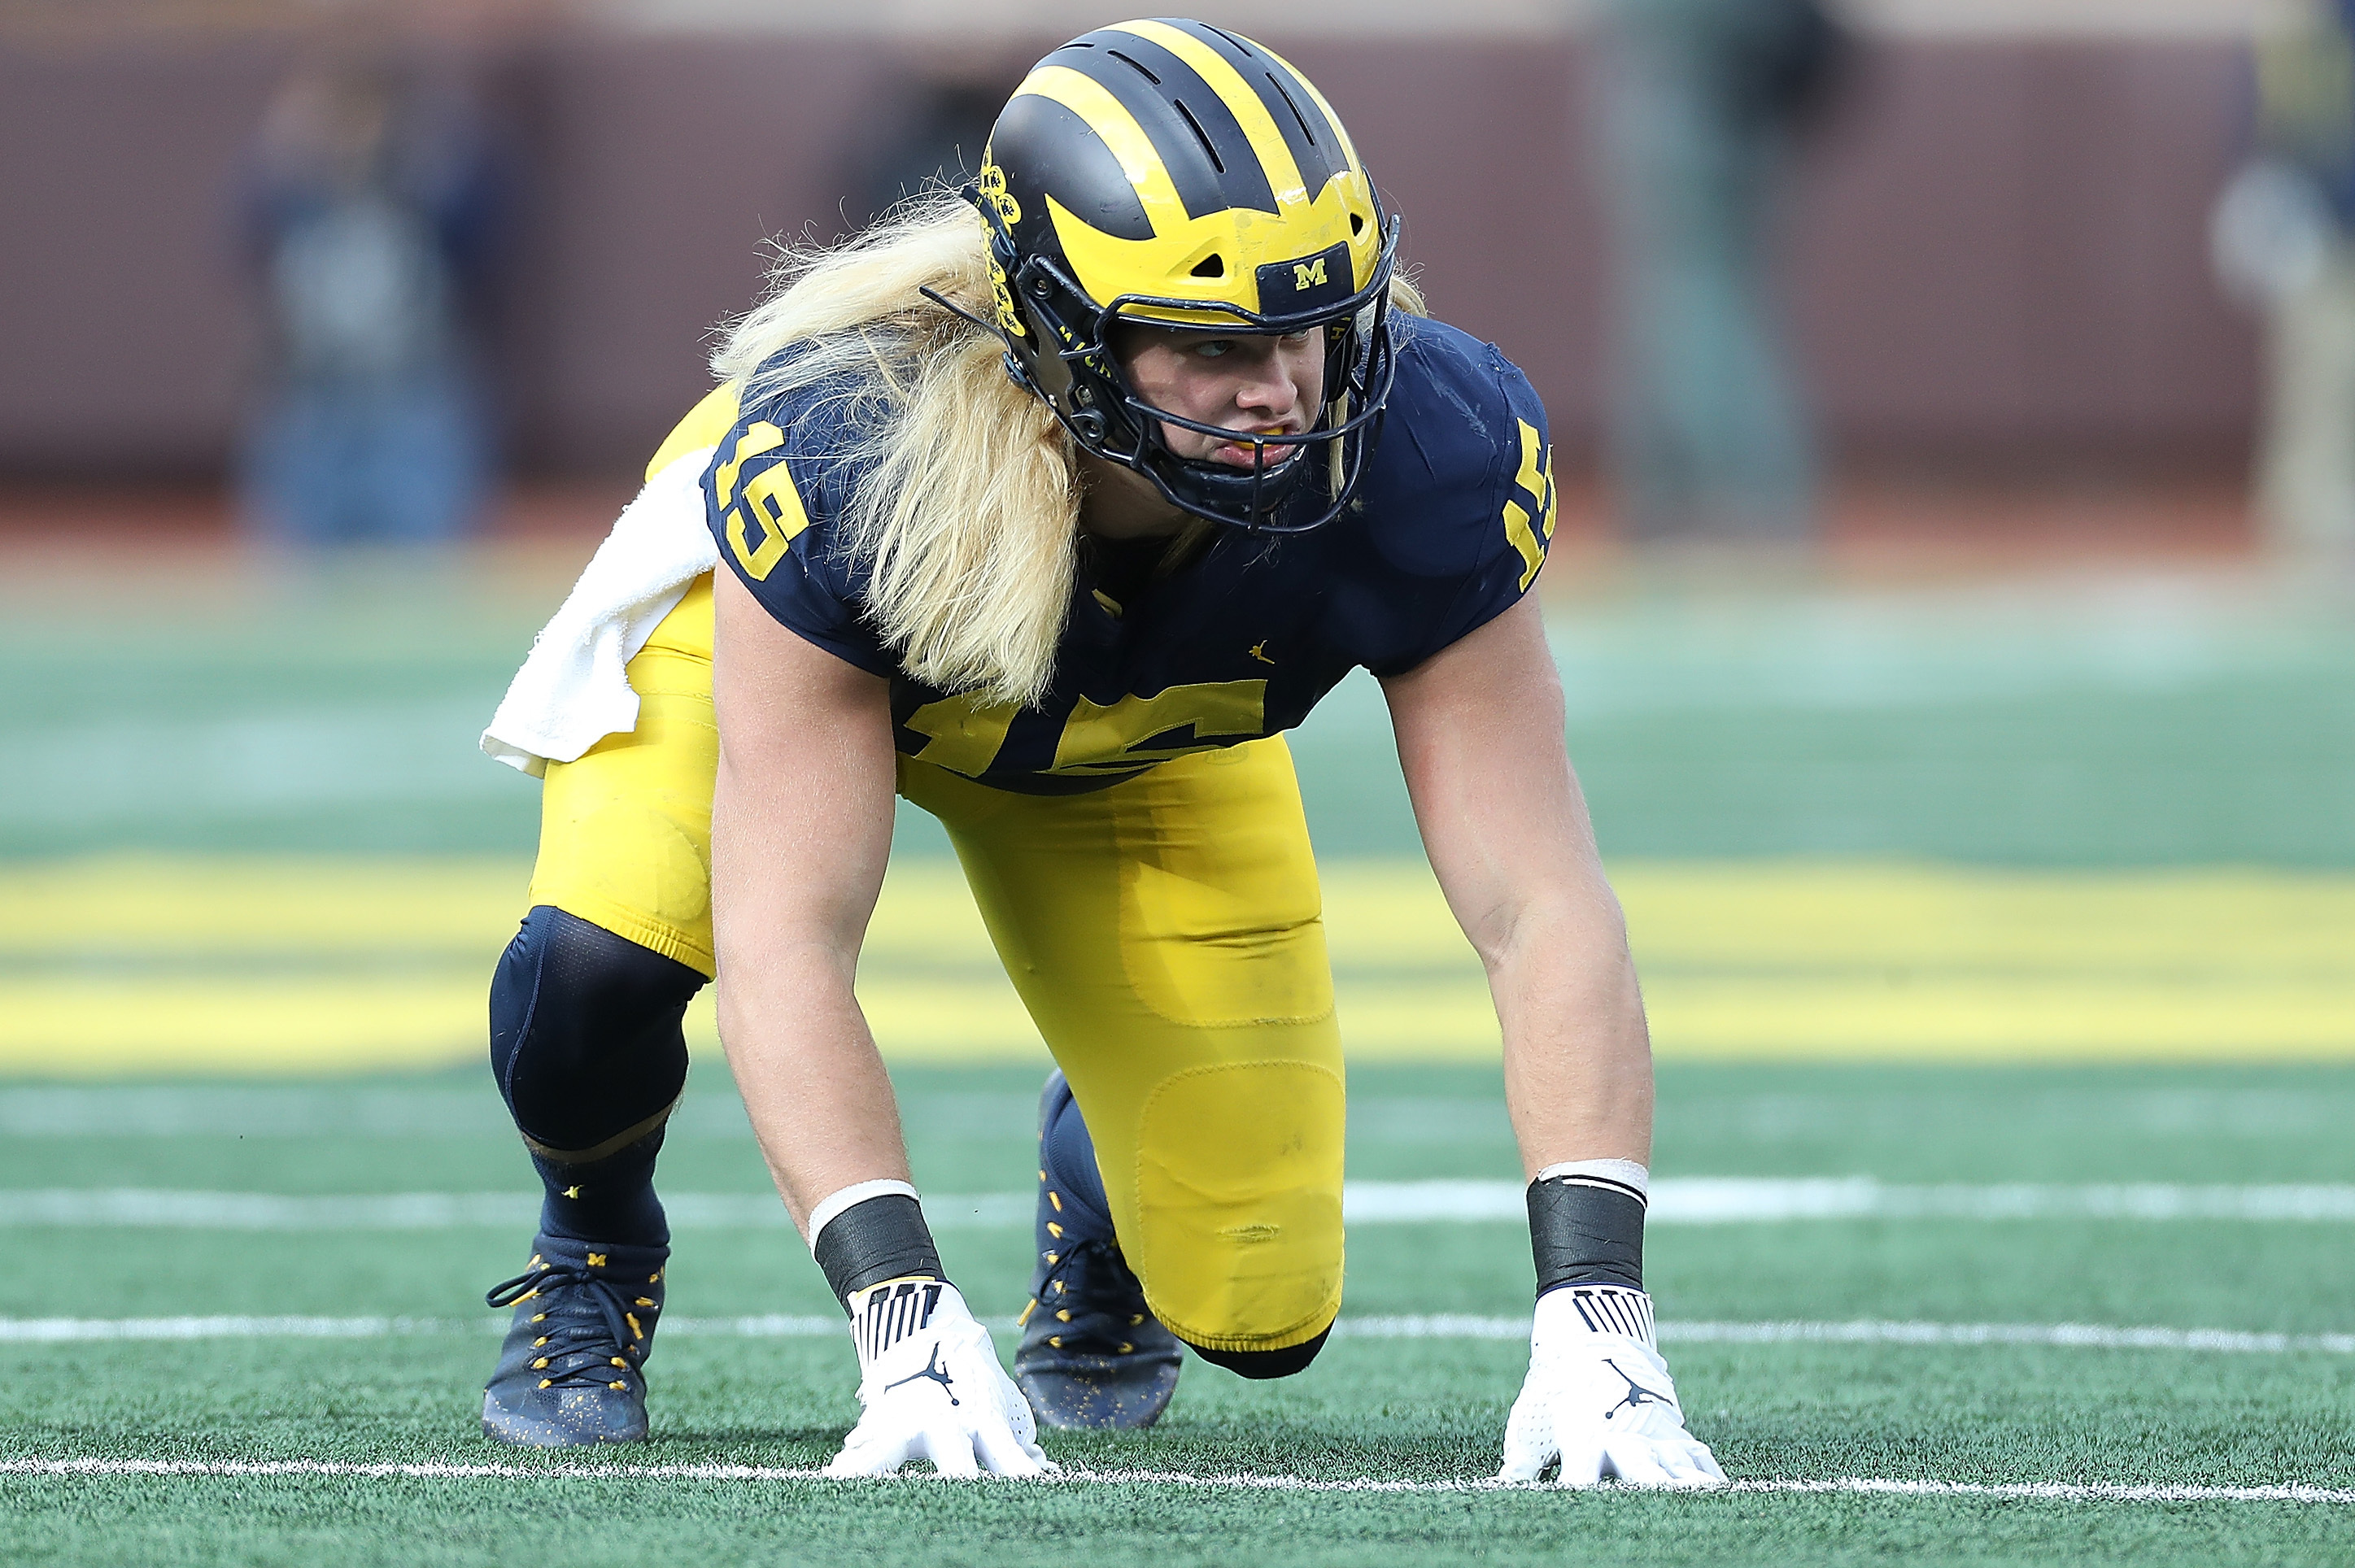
{"points": [[932, 1388], [1599, 1398]]}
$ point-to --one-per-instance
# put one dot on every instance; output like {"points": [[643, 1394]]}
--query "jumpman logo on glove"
{"points": [[939, 1374], [1637, 1395]]}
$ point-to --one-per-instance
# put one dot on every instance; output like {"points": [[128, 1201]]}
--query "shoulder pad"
{"points": [[786, 464], [1464, 468], [704, 425]]}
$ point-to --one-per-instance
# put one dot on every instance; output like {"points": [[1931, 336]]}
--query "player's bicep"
{"points": [[1479, 730], [801, 805]]}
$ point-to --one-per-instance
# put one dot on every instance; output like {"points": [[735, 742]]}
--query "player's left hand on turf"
{"points": [[1599, 1400], [933, 1389]]}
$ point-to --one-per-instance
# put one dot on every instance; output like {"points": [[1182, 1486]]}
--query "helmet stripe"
{"points": [[1146, 170], [1213, 163], [1305, 121], [1087, 179], [1236, 95], [1301, 84]]}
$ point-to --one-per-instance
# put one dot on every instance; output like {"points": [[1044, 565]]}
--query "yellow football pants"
{"points": [[1164, 933]]}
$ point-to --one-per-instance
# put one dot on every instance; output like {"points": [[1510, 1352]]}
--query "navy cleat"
{"points": [[1092, 1355], [570, 1371]]}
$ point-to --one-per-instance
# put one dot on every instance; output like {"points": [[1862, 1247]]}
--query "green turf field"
{"points": [[2123, 1281], [1424, 1410], [2078, 720]]}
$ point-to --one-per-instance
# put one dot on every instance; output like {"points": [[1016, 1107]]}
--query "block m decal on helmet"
{"points": [[1173, 175]]}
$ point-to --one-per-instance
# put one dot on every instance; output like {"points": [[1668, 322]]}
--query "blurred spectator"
{"points": [[1700, 103], [2281, 243], [368, 206]]}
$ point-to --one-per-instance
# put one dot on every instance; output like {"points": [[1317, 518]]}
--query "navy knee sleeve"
{"points": [[586, 1032]]}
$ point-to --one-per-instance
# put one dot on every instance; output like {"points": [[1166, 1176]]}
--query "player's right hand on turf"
{"points": [[933, 1389], [1599, 1400]]}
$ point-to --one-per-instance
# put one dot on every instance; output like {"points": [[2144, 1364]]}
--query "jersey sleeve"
{"points": [[771, 494], [1483, 503]]}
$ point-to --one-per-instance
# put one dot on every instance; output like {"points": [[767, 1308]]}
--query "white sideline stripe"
{"points": [[1711, 1199], [2060, 1491], [64, 1330], [166, 1209], [1437, 1326], [1867, 1331], [2062, 1336], [1676, 1200]]}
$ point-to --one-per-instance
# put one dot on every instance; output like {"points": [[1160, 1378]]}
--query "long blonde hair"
{"points": [[967, 514]]}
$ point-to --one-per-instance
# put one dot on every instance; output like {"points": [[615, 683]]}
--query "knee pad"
{"points": [[1237, 1233], [1260, 1365], [587, 1040]]}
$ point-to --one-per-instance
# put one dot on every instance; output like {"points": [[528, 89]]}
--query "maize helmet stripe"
{"points": [[1319, 150], [1235, 95], [1294, 81], [1140, 161], [1213, 162], [1164, 173]]}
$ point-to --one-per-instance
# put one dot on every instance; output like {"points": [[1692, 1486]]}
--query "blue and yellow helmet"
{"points": [[1179, 174]]}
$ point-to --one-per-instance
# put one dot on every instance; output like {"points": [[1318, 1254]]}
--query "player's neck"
{"points": [[1121, 505]]}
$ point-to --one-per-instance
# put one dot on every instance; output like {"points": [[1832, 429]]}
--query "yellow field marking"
{"points": [[266, 965], [71, 1027], [1799, 1020], [132, 907], [55, 1026], [1815, 916], [242, 906]]}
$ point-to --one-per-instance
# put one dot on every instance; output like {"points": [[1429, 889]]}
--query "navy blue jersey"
{"points": [[1447, 530]]}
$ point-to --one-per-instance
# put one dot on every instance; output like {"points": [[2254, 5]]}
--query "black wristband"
{"points": [[1586, 1230], [882, 1238]]}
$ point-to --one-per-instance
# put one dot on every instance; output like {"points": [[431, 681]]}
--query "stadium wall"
{"points": [[1997, 257]]}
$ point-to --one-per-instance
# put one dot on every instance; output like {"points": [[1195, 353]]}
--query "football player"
{"points": [[1050, 513]]}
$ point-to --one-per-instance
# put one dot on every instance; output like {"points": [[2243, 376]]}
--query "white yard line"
{"points": [[1871, 1331], [2057, 1336], [174, 1209], [2056, 1492], [1437, 1326], [1677, 1201], [77, 1331]]}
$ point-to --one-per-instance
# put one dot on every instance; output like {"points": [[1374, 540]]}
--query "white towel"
{"points": [[574, 688]]}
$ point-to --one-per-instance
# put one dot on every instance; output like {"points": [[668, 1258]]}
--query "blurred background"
{"points": [[1955, 399], [1982, 224]]}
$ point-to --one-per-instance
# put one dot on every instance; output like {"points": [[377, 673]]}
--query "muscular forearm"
{"points": [[800, 830], [820, 1101], [1578, 1060]]}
